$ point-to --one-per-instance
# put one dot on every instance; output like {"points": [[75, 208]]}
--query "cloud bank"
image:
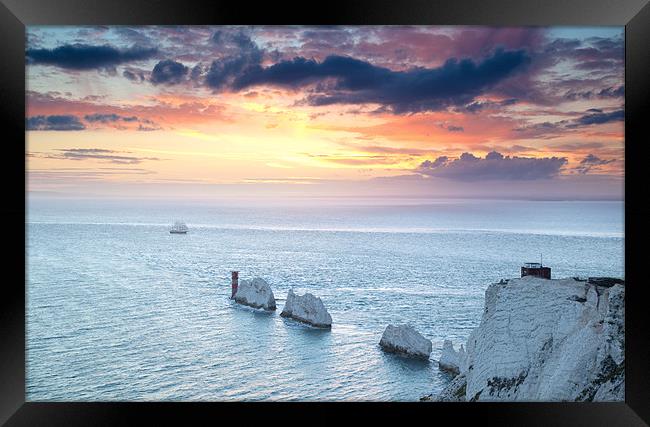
{"points": [[87, 57], [104, 155], [168, 72], [598, 117], [493, 167], [346, 80], [591, 162], [54, 122], [71, 122], [108, 118]]}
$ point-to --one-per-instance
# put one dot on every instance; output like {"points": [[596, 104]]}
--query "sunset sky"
{"points": [[352, 112]]}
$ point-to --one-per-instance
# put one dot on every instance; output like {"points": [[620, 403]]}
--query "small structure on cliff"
{"points": [[535, 269]]}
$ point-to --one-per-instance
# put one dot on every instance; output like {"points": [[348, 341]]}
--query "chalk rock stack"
{"points": [[452, 360], [255, 293], [406, 340], [308, 309]]}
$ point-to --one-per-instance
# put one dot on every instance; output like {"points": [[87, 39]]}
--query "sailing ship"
{"points": [[179, 227]]}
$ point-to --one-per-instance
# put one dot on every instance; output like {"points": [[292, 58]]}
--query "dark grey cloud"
{"points": [[609, 92], [223, 72], [596, 118], [597, 59], [562, 45], [593, 53], [196, 72], [451, 128], [109, 118], [148, 128], [477, 106], [114, 119], [543, 128], [494, 166], [87, 57], [134, 75], [108, 156], [132, 35], [71, 122], [54, 122], [429, 165], [238, 39], [593, 117], [456, 82], [591, 162], [168, 72]]}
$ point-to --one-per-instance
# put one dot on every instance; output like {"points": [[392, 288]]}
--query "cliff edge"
{"points": [[543, 340]]}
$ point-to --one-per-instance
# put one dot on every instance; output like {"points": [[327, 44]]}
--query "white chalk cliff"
{"points": [[406, 340], [255, 293], [543, 340], [307, 309]]}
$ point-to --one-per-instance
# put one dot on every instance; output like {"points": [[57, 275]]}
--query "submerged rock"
{"points": [[450, 359], [545, 340], [255, 293], [406, 340], [308, 309]]}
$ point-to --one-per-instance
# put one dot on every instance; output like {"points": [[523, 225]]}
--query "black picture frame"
{"points": [[633, 14]]}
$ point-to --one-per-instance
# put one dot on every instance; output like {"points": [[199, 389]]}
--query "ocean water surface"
{"points": [[118, 309]]}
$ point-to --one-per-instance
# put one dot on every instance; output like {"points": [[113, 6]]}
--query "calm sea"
{"points": [[119, 309]]}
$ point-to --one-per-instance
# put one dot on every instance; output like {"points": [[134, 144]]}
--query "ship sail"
{"points": [[179, 227]]}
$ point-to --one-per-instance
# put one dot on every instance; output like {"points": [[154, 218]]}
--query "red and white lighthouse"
{"points": [[235, 283]]}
